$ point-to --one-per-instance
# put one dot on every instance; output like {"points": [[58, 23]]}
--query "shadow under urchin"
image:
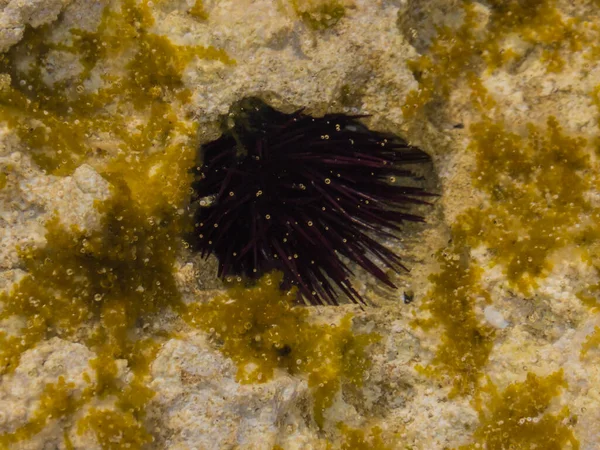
{"points": [[292, 192]]}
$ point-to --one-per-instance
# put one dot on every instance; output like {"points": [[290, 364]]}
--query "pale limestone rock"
{"points": [[198, 403], [16, 15], [40, 366], [31, 198], [278, 56], [201, 405], [495, 317]]}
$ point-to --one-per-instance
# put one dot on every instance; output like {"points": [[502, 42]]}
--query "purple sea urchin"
{"points": [[299, 194]]}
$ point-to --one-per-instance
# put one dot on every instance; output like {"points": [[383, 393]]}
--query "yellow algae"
{"points": [[595, 96], [261, 330], [518, 417], [537, 187], [3, 180], [357, 439], [68, 442], [537, 22], [589, 238], [61, 123], [319, 14], [118, 273], [159, 179], [198, 11], [115, 431], [51, 120], [448, 59], [158, 64], [590, 296], [461, 54], [465, 344], [592, 342], [57, 401], [96, 286]]}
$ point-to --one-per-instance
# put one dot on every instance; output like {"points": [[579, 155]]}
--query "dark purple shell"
{"points": [[293, 192]]}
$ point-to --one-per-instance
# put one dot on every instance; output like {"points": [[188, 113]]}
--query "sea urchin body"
{"points": [[303, 195]]}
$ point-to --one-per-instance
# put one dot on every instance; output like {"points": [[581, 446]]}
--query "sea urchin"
{"points": [[302, 195]]}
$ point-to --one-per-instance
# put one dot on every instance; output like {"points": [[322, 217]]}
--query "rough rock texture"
{"points": [[30, 198], [201, 405], [19, 392], [15, 16], [359, 65]]}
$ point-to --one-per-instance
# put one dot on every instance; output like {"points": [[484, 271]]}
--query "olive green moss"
{"points": [[115, 431], [465, 343], [117, 274], [537, 186], [262, 331], [198, 11], [358, 439], [539, 23], [589, 239], [96, 286], [319, 15], [519, 418], [448, 59], [55, 403], [592, 343], [462, 54], [61, 123]]}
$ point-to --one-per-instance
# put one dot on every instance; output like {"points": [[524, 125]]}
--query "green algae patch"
{"points": [[537, 187], [68, 123], [319, 14], [358, 439], [592, 342], [261, 330], [197, 11], [590, 295], [595, 95], [537, 22], [450, 57], [465, 343], [461, 54], [96, 286], [57, 401], [115, 431], [519, 418], [588, 240], [157, 166], [119, 273]]}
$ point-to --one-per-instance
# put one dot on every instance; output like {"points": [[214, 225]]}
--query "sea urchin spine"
{"points": [[293, 192]]}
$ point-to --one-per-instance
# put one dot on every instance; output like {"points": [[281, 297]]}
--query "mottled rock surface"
{"points": [[502, 294]]}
